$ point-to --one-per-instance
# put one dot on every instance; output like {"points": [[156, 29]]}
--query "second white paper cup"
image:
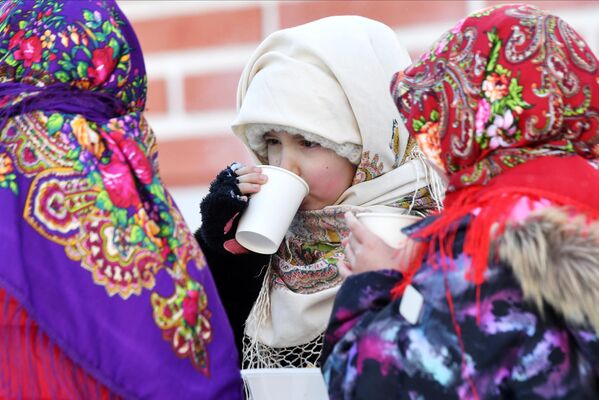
{"points": [[284, 383], [264, 223], [387, 225]]}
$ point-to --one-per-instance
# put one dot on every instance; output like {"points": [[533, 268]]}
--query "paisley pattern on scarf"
{"points": [[70, 203], [307, 260], [478, 106], [95, 187], [184, 317], [369, 168]]}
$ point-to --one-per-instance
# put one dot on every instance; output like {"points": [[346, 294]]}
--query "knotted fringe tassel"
{"points": [[436, 186], [258, 316], [32, 367]]}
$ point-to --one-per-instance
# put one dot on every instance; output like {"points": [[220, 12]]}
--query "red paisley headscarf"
{"points": [[507, 104]]}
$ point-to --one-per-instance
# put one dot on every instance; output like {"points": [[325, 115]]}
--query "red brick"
{"points": [[192, 162], [200, 30], [157, 97], [552, 5], [211, 91], [392, 13]]}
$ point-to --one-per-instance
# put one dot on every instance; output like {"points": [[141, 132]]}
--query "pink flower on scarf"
{"points": [[503, 126], [119, 183], [190, 308], [429, 142], [136, 157], [116, 175], [103, 65], [30, 51], [482, 116]]}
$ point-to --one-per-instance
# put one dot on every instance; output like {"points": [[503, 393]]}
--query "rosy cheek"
{"points": [[324, 187]]}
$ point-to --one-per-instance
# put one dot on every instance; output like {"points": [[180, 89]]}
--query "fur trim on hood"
{"points": [[555, 258]]}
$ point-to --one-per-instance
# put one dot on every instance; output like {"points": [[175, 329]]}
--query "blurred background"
{"points": [[196, 50]]}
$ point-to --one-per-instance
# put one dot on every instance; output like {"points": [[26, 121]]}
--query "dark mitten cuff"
{"points": [[220, 210]]}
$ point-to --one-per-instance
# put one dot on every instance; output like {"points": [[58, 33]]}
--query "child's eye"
{"points": [[307, 143], [271, 141]]}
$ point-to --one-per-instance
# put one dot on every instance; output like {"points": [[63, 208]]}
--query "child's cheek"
{"points": [[327, 187]]}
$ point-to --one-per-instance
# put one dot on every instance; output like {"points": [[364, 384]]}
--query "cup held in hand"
{"points": [[387, 225], [264, 223]]}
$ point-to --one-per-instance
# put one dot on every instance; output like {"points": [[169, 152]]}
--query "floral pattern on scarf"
{"points": [[307, 260], [95, 187], [478, 104], [48, 47]]}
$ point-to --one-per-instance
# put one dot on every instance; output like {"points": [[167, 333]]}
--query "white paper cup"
{"points": [[387, 225], [284, 383], [264, 223]]}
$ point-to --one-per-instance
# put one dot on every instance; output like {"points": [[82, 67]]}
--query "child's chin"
{"points": [[309, 206], [305, 206]]}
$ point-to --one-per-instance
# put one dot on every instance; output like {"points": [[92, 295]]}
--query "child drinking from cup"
{"points": [[313, 100], [500, 298]]}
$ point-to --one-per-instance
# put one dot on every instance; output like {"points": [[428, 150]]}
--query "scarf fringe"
{"points": [[436, 184], [258, 316], [32, 367], [490, 210]]}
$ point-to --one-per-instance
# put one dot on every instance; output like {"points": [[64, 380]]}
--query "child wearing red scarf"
{"points": [[506, 104]]}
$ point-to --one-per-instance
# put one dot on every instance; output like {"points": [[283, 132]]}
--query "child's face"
{"points": [[327, 173]]}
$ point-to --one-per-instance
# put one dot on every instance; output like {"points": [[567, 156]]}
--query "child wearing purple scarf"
{"points": [[103, 290]]}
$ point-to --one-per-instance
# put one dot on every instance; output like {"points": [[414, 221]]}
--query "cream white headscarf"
{"points": [[329, 80]]}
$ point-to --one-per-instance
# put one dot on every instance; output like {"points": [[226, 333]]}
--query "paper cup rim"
{"points": [[251, 245], [299, 178]]}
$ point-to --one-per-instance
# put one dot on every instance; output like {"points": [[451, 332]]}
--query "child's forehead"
{"points": [[284, 133]]}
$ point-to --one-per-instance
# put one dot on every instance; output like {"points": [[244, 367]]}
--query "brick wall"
{"points": [[195, 51]]}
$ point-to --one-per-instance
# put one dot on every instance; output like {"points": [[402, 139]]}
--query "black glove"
{"points": [[221, 209]]}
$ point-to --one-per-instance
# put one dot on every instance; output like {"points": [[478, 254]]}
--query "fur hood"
{"points": [[555, 258]]}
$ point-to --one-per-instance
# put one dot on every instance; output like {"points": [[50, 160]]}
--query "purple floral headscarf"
{"points": [[92, 245]]}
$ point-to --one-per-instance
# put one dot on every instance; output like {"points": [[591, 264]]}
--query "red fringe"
{"points": [[490, 210], [32, 367], [490, 207]]}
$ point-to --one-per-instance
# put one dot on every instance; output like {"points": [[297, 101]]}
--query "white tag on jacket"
{"points": [[410, 306]]}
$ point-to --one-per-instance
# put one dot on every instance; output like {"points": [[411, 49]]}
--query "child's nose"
{"points": [[290, 163]]}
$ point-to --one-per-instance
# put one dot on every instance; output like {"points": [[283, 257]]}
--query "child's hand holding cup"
{"points": [[387, 226], [271, 209], [376, 241]]}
